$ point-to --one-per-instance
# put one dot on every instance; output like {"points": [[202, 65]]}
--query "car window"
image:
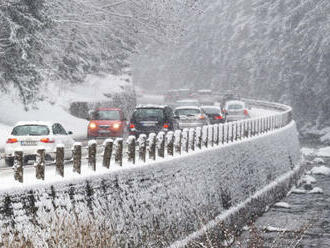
{"points": [[152, 114], [107, 115], [33, 130], [210, 110], [235, 106], [187, 111], [58, 129]]}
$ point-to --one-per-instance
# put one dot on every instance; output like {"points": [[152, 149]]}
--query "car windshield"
{"points": [[235, 106], [155, 114], [33, 130], [210, 110], [107, 115], [187, 112]]}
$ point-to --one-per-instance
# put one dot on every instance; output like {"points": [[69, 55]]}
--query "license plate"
{"points": [[104, 131], [148, 124], [28, 143]]}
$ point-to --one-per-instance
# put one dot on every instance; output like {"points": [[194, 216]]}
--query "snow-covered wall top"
{"points": [[154, 205]]}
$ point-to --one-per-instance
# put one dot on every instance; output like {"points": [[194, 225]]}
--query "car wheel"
{"points": [[9, 162]]}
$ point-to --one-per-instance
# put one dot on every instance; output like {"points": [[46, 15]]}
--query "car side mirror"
{"points": [[176, 117], [70, 132], [91, 115]]}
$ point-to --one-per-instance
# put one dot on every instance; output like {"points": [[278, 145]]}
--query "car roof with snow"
{"points": [[235, 102], [150, 106], [43, 123], [210, 106], [107, 109], [187, 107], [187, 100]]}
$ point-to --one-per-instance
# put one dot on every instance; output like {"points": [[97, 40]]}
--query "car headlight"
{"points": [[92, 125], [116, 125]]}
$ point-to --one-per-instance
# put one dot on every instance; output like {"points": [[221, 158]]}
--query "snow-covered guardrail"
{"points": [[157, 191], [161, 145]]}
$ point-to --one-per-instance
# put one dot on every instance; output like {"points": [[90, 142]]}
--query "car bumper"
{"points": [[104, 133], [191, 125], [236, 117]]}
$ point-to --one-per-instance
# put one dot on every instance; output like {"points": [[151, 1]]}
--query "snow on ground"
{"points": [[322, 170], [325, 138], [318, 161], [257, 112], [308, 179], [282, 205], [307, 151], [324, 152], [316, 190]]}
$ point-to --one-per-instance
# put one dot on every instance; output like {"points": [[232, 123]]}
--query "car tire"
{"points": [[9, 162]]}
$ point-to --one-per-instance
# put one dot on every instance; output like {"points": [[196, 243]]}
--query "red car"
{"points": [[106, 122]]}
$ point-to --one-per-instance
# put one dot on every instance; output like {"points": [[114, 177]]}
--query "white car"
{"points": [[191, 117], [236, 110], [29, 136]]}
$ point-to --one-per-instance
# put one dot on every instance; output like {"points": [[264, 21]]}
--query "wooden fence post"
{"points": [[227, 132], [223, 134], [170, 143], [161, 144], [178, 141], [142, 142], [60, 160], [40, 164], [199, 137], [211, 129], [205, 135], [236, 131], [18, 166], [131, 143], [192, 138], [108, 146], [77, 157], [185, 139], [92, 154], [119, 151], [217, 133], [152, 146]]}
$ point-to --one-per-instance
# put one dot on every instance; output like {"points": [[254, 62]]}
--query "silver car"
{"points": [[236, 110], [191, 117]]}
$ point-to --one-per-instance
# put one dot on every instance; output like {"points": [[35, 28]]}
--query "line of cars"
{"points": [[111, 122]]}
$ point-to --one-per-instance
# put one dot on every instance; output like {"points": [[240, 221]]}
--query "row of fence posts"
{"points": [[168, 144]]}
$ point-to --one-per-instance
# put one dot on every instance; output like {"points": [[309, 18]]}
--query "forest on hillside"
{"points": [[65, 40], [273, 50]]}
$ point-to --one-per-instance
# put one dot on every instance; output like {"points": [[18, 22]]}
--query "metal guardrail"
{"points": [[161, 145]]}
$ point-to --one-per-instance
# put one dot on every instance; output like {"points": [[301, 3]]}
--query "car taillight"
{"points": [[47, 140], [92, 125], [218, 117], [12, 140], [131, 126], [246, 112], [166, 125]]}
